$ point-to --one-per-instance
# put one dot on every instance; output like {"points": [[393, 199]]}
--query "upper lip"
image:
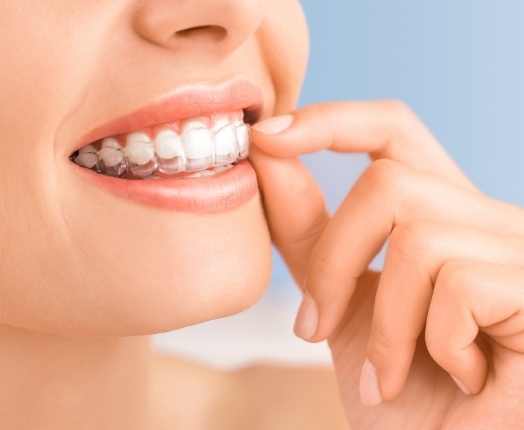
{"points": [[188, 102]]}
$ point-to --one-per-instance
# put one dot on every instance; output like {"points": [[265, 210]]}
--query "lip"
{"points": [[184, 103], [225, 191]]}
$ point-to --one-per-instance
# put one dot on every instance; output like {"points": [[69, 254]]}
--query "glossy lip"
{"points": [[225, 191], [190, 102]]}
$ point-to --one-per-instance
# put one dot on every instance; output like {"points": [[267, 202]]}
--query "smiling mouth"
{"points": [[191, 148]]}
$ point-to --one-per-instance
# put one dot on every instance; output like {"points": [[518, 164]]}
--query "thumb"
{"points": [[295, 208]]}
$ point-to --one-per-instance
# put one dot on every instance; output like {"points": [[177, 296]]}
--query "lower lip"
{"points": [[225, 191]]}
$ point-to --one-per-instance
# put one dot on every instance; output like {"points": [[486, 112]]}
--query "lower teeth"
{"points": [[208, 173], [152, 170]]}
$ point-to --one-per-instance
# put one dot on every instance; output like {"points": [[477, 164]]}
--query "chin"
{"points": [[135, 271]]}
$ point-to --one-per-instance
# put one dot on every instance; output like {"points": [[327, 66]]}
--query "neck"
{"points": [[54, 382]]}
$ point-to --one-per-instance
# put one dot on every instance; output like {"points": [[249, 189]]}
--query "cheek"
{"points": [[118, 269], [285, 44]]}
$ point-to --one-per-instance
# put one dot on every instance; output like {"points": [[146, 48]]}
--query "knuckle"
{"points": [[453, 279], [385, 176], [437, 347], [402, 124], [438, 342], [310, 234], [397, 107], [392, 185], [414, 239], [451, 286], [399, 113]]}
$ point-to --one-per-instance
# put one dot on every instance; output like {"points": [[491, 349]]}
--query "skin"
{"points": [[85, 277], [449, 300], [113, 267]]}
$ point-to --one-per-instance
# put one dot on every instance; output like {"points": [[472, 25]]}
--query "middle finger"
{"points": [[386, 195]]}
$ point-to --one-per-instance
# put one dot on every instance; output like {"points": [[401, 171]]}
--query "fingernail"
{"points": [[370, 393], [306, 324], [459, 383], [274, 125]]}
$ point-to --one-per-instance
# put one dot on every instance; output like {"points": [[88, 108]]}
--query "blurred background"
{"points": [[458, 64]]}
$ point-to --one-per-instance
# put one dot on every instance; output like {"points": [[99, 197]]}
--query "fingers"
{"points": [[470, 297], [387, 194], [294, 206], [384, 129], [413, 186], [418, 256]]}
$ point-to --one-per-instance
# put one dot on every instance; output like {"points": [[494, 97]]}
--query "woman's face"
{"points": [[85, 253]]}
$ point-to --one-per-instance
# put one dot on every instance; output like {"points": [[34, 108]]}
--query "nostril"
{"points": [[213, 33]]}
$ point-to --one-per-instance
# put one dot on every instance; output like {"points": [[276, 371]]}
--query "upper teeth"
{"points": [[191, 146]]}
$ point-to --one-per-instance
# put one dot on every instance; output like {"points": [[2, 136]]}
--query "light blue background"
{"points": [[459, 64]]}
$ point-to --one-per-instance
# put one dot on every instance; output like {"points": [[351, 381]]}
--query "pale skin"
{"points": [[85, 278], [449, 300]]}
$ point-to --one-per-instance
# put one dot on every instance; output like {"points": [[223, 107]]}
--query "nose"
{"points": [[218, 26]]}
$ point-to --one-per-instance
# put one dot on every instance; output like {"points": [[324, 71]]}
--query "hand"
{"points": [[454, 268]]}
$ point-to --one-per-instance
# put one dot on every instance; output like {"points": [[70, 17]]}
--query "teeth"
{"points": [[170, 152], [198, 144], [219, 123], [87, 157], [243, 140], [226, 145], [208, 173], [140, 153], [194, 124], [200, 151], [112, 160], [111, 153], [139, 148]]}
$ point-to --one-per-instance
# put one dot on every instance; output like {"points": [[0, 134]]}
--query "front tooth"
{"points": [[198, 145], [193, 124], [170, 152], [226, 146], [219, 123], [243, 140]]}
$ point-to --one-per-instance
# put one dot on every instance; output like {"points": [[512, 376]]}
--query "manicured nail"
{"points": [[274, 125], [306, 324], [370, 393], [459, 383]]}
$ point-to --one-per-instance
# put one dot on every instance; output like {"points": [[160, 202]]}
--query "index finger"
{"points": [[383, 129]]}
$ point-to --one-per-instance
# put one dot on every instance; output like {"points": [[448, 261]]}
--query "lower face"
{"points": [[87, 251]]}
